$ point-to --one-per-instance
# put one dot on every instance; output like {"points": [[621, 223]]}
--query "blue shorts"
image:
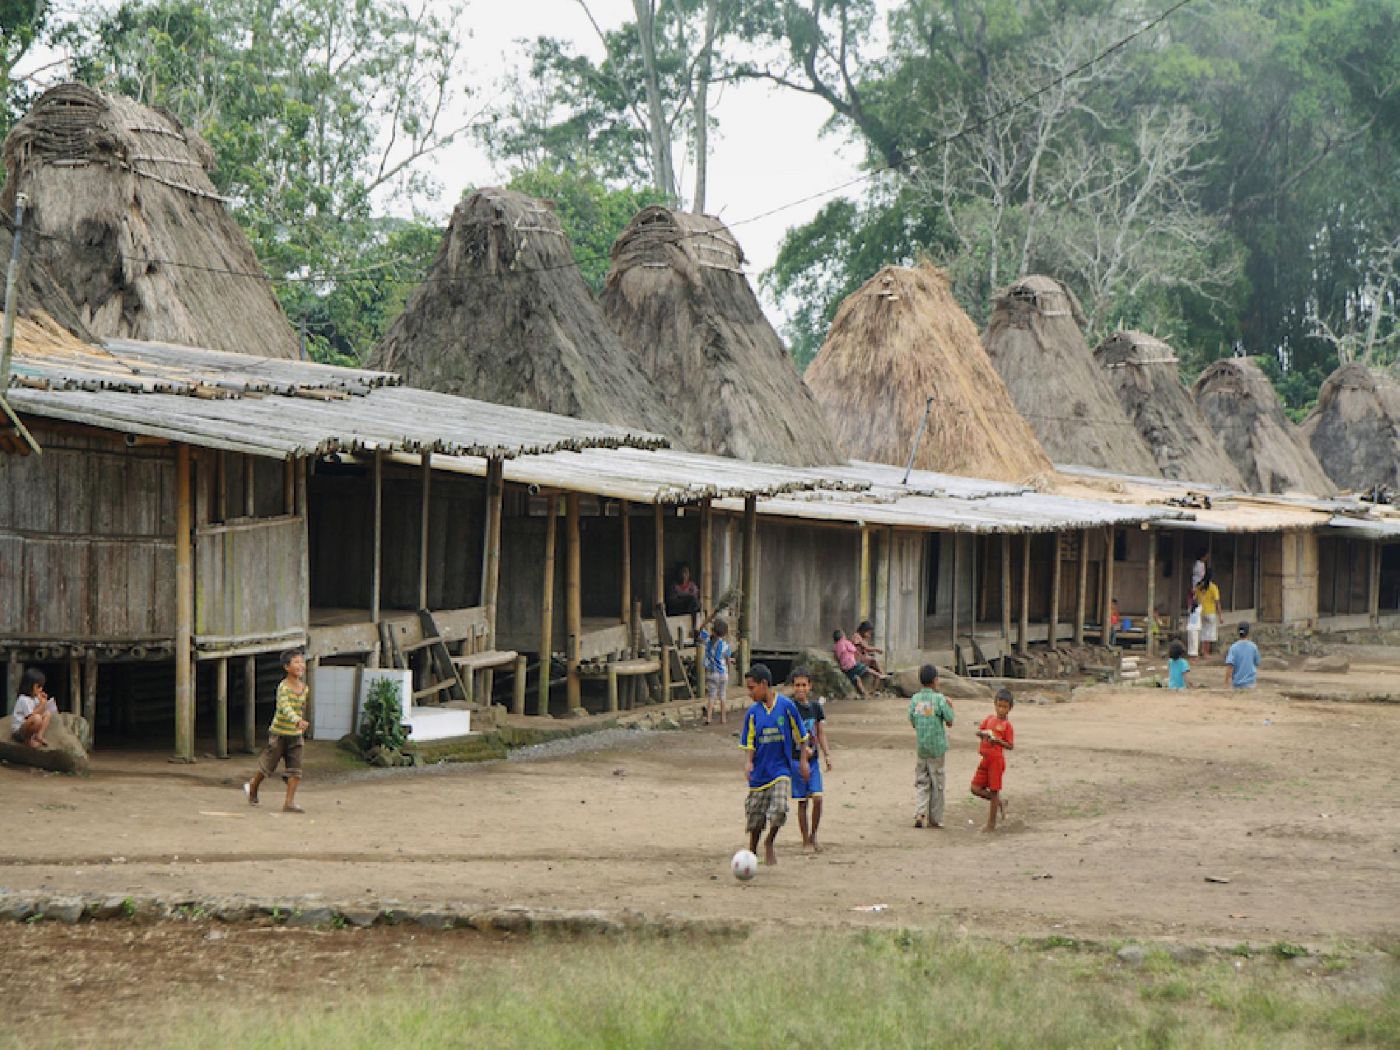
{"points": [[857, 671], [802, 789]]}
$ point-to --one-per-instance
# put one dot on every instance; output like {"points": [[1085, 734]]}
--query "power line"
{"points": [[873, 173]]}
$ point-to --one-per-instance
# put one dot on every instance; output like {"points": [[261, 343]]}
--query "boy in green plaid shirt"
{"points": [[930, 714]]}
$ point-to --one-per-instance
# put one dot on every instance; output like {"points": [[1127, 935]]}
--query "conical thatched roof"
{"points": [[1355, 429], [1241, 406], [505, 316], [1143, 372], [1034, 339], [678, 298], [898, 340], [118, 195]]}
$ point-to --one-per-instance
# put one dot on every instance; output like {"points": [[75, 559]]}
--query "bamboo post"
{"points": [[184, 611], [1179, 573], [625, 510], [518, 699], [302, 497], [750, 580], [1235, 574], [1023, 624], [1082, 599], [953, 608], [250, 494], [864, 581], [90, 692], [1108, 541], [426, 505], [1151, 594], [221, 708], [491, 562], [250, 705], [1006, 588], [551, 529], [75, 683], [612, 685], [376, 570], [658, 514], [1373, 603], [1054, 634], [573, 597], [221, 481], [707, 561]]}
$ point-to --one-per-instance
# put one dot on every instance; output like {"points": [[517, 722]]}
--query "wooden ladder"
{"points": [[673, 673], [440, 674]]}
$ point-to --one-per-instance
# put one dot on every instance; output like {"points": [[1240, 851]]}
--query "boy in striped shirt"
{"points": [[285, 736]]}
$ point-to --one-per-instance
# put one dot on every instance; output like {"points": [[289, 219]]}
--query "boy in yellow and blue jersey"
{"points": [[772, 734], [808, 790]]}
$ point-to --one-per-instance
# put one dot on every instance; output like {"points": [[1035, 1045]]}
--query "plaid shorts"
{"points": [[716, 685], [767, 805]]}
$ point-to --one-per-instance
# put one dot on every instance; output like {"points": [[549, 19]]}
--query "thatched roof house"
{"points": [[898, 340], [120, 197], [505, 316], [1035, 340], [1143, 372], [1241, 406], [678, 298], [1355, 429]]}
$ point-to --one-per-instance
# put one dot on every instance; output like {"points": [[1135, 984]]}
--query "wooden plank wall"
{"points": [[936, 623], [250, 582], [807, 584], [1288, 580], [1343, 573], [87, 550]]}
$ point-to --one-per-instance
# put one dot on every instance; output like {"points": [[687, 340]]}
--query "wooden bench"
{"points": [[466, 632]]}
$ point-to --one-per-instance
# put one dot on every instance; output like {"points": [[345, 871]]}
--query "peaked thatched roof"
{"points": [[1355, 429], [898, 340], [678, 298], [1143, 372], [1036, 342], [1241, 406], [504, 315], [119, 194]]}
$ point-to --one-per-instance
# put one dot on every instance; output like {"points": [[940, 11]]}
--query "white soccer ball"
{"points": [[744, 865]]}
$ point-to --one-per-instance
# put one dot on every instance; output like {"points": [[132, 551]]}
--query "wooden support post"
{"points": [[666, 652], [625, 512], [1373, 591], [1082, 598], [376, 570], [1054, 633], [573, 597], [426, 508], [221, 708], [491, 562], [250, 705], [864, 591], [1106, 618], [289, 485], [90, 692], [658, 515], [1006, 588], [1235, 574], [707, 560], [521, 670], [1023, 624], [612, 685], [75, 684], [551, 529], [1151, 594], [14, 670], [221, 481], [250, 494], [1179, 572], [750, 582], [184, 611], [953, 607]]}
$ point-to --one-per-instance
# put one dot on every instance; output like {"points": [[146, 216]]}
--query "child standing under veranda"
{"points": [[930, 714], [810, 788], [285, 738], [718, 656], [997, 738]]}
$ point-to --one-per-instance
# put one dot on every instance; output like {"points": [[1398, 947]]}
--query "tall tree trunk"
{"points": [[663, 175], [702, 106]]}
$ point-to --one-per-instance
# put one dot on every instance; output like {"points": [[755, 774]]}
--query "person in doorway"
{"points": [[844, 650], [866, 650], [1242, 662], [1177, 667], [772, 733], [1199, 567], [810, 788], [997, 738], [285, 739], [930, 713], [34, 710], [682, 593], [718, 656], [1208, 597]]}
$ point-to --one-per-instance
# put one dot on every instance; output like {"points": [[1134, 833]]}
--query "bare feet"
{"points": [[770, 856], [1001, 807], [250, 794], [292, 807], [816, 846]]}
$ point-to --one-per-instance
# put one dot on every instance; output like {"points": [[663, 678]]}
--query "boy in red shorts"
{"points": [[997, 738]]}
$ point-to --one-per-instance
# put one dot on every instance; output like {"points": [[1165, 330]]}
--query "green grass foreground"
{"points": [[829, 989]]}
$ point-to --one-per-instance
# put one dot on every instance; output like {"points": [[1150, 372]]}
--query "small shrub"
{"points": [[382, 725], [1284, 950]]}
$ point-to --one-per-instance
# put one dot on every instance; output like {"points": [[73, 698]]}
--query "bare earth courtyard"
{"points": [[1122, 803]]}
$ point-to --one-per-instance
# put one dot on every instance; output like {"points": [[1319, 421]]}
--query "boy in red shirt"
{"points": [[997, 738]]}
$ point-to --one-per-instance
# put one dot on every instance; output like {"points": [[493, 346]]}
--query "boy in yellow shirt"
{"points": [[285, 736]]}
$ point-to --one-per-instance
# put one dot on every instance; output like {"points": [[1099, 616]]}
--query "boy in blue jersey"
{"points": [[772, 734], [809, 789]]}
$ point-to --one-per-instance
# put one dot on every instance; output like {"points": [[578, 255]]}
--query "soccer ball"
{"points": [[744, 865]]}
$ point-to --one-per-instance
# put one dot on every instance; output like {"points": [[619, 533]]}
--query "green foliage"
{"points": [[381, 724], [592, 213]]}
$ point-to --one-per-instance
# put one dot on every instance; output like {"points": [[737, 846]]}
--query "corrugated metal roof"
{"points": [[278, 408], [666, 476], [1385, 529]]}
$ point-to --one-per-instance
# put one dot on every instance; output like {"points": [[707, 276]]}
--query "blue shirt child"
{"points": [[1244, 658], [774, 735], [1176, 673]]}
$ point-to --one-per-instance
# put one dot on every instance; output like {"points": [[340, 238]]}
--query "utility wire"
{"points": [[864, 177]]}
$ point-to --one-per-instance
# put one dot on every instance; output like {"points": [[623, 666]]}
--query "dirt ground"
{"points": [[1122, 803]]}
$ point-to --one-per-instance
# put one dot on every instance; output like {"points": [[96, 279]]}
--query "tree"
{"points": [[23, 24]]}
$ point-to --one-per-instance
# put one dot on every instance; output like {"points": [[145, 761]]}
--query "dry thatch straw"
{"points": [[1143, 371], [898, 340], [1036, 342], [678, 298], [1355, 429], [505, 316], [1241, 406], [118, 192]]}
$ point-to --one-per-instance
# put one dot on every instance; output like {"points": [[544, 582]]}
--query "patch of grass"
{"points": [[901, 988], [1284, 950]]}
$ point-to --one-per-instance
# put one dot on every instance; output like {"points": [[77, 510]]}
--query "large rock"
{"points": [[827, 680], [1330, 664], [906, 683], [66, 752]]}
